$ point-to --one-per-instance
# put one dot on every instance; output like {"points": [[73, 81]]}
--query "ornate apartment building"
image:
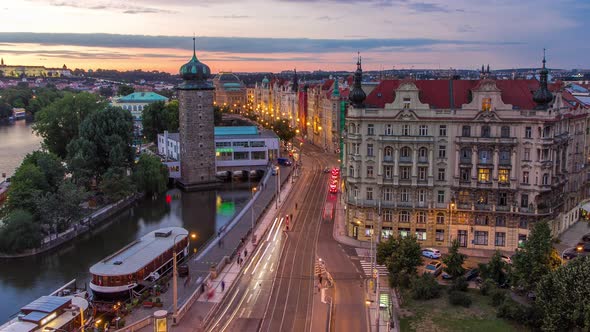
{"points": [[479, 161]]}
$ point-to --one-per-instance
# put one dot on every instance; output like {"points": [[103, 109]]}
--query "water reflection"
{"points": [[26, 279]]}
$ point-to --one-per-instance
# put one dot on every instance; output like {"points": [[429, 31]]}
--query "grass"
{"points": [[438, 315]]}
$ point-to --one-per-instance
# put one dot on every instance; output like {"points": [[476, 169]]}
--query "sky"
{"points": [[276, 35]]}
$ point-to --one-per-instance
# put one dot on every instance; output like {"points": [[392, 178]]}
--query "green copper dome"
{"points": [[195, 70]]}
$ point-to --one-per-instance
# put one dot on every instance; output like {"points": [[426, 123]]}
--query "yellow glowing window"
{"points": [[503, 175], [483, 175], [486, 104]]}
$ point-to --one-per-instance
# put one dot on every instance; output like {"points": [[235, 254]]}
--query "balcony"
{"points": [[406, 139], [388, 159], [504, 208], [405, 204], [488, 140], [483, 207], [423, 160], [505, 162], [406, 160], [481, 184], [465, 161]]}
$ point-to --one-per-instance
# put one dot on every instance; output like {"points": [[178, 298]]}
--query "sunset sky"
{"points": [[275, 35]]}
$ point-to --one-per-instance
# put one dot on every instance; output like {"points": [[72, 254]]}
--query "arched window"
{"points": [[352, 128], [421, 217], [405, 152], [351, 171], [423, 153], [505, 132], [388, 153], [404, 216], [440, 218]]}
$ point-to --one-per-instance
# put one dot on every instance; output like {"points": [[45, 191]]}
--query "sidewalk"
{"points": [[340, 228]]}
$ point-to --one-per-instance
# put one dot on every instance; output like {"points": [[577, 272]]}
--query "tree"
{"points": [[562, 297], [5, 111], [173, 120], [105, 91], [402, 256], [59, 122], [125, 90], [494, 269], [116, 185], [19, 232], [454, 261], [104, 142], [154, 119], [533, 261], [283, 130], [57, 210], [150, 175]]}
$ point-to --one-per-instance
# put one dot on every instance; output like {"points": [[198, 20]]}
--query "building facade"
{"points": [[32, 71], [137, 101], [230, 91], [479, 161], [196, 126]]}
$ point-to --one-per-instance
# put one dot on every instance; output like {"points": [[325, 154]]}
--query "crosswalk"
{"points": [[366, 265]]}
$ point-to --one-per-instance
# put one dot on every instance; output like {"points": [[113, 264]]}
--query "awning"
{"points": [[586, 207]]}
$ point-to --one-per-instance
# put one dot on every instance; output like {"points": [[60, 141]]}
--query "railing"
{"points": [[136, 326]]}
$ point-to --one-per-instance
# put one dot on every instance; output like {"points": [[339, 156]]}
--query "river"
{"points": [[16, 140], [24, 280]]}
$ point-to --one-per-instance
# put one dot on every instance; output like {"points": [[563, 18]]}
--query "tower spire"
{"points": [[543, 96], [357, 95], [194, 46]]}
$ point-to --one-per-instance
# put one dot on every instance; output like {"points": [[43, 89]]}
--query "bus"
{"points": [[329, 210]]}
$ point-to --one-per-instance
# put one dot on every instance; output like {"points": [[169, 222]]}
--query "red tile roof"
{"points": [[437, 93]]}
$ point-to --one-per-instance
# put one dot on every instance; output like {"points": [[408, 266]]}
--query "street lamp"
{"points": [[175, 274], [277, 168]]}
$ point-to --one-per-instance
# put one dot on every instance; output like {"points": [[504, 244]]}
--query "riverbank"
{"points": [[88, 223]]}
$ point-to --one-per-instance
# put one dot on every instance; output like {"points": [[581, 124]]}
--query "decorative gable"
{"points": [[487, 97], [407, 96]]}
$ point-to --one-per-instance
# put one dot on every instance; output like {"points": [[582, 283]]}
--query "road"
{"points": [[275, 291]]}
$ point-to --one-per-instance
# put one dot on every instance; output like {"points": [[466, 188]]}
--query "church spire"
{"points": [[295, 85], [357, 95], [543, 96], [336, 90]]}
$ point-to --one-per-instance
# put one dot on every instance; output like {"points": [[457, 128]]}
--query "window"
{"points": [[241, 155], [528, 132], [486, 104], [442, 151], [440, 198], [545, 179], [387, 194], [440, 218], [527, 154], [423, 130], [465, 174], [421, 234], [370, 150], [466, 131], [387, 216], [404, 216], [500, 221], [502, 199], [503, 175], [351, 171], [423, 153], [483, 175], [388, 153], [405, 152], [466, 155], [404, 232], [388, 130], [484, 156], [524, 200], [258, 155], [504, 157], [242, 144], [481, 238], [441, 174], [525, 177], [482, 198], [352, 128], [505, 132], [386, 232], [481, 220], [369, 194], [442, 130], [369, 171], [500, 240], [485, 131], [388, 171], [407, 102], [356, 192], [369, 231], [440, 235], [404, 173], [356, 147], [422, 173], [421, 217], [404, 196], [421, 196], [370, 129], [406, 130]]}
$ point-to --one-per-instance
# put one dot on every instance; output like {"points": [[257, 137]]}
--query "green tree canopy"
{"points": [[282, 129], [494, 269], [19, 232], [104, 142], [57, 210], [402, 256], [116, 185], [125, 90], [533, 261], [58, 123], [563, 297], [157, 117], [150, 175], [454, 261], [105, 91]]}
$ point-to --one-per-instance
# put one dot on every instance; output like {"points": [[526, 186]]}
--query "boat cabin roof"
{"points": [[139, 253]]}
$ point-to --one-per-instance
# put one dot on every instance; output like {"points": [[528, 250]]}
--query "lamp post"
{"points": [[452, 207], [278, 200], [175, 274], [252, 207]]}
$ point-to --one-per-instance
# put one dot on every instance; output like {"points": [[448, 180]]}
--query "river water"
{"points": [[24, 280]]}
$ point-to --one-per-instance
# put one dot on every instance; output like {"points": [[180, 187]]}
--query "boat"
{"points": [[139, 264]]}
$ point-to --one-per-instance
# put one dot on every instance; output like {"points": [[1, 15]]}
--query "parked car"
{"points": [[326, 170], [446, 276], [570, 254], [586, 238], [273, 171], [431, 253], [471, 274], [506, 259], [434, 268]]}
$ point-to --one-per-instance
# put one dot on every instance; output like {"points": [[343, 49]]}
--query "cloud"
{"points": [[328, 18], [427, 7], [102, 5], [465, 28], [233, 16], [235, 44]]}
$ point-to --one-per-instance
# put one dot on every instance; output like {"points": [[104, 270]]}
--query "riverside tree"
{"points": [[59, 122], [150, 175], [402, 256], [157, 117], [104, 141], [19, 232]]}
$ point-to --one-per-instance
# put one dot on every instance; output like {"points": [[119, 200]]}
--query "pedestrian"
{"points": [[295, 206], [218, 233], [202, 288], [245, 253], [222, 286]]}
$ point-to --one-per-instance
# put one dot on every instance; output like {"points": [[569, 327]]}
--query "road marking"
{"points": [[249, 298], [367, 268], [227, 307]]}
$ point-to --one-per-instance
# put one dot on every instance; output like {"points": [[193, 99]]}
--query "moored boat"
{"points": [[139, 263]]}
